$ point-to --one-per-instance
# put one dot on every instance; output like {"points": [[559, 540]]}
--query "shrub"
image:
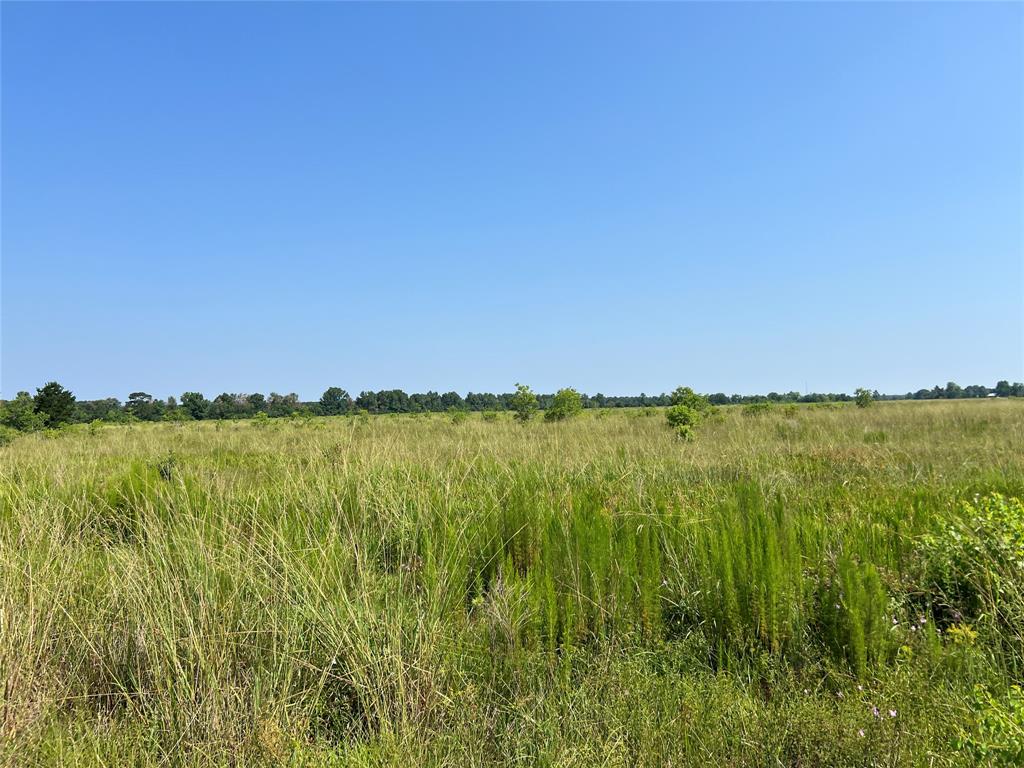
{"points": [[997, 738], [975, 564], [863, 397], [457, 415], [7, 435], [682, 419], [566, 404], [523, 403], [757, 409], [686, 412], [20, 414], [489, 416]]}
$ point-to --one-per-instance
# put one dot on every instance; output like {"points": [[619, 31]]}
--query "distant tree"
{"points": [[367, 401], [863, 397], [56, 404], [452, 400], [524, 403], [953, 390], [565, 404], [195, 404], [282, 405], [335, 401], [143, 407], [256, 403], [1002, 388], [20, 413]]}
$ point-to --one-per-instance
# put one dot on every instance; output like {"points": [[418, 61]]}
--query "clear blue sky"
{"points": [[620, 198]]}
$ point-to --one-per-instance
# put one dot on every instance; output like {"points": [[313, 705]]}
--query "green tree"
{"points": [[20, 413], [566, 404], [195, 404], [56, 404], [682, 418], [689, 398], [142, 406], [686, 412], [335, 402], [863, 397], [523, 403]]}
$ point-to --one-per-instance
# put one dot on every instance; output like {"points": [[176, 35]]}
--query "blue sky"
{"points": [[616, 197]]}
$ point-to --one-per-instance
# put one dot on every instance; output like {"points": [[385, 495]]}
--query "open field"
{"points": [[808, 586]]}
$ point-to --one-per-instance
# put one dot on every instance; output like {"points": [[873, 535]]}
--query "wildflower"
{"points": [[874, 712], [860, 687], [861, 733], [839, 694], [892, 713], [923, 621]]}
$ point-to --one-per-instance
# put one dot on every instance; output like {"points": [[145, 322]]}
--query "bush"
{"points": [[686, 412], [457, 415], [863, 397], [566, 404], [682, 419], [523, 403], [998, 735], [7, 435], [975, 564]]}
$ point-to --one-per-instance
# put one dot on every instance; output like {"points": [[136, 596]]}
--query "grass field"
{"points": [[807, 586]]}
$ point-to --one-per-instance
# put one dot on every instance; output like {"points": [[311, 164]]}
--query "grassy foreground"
{"points": [[807, 586]]}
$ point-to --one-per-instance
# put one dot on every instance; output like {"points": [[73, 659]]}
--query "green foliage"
{"points": [[758, 409], [55, 404], [195, 404], [335, 401], [7, 435], [863, 397], [975, 562], [457, 415], [565, 405], [688, 409], [20, 414], [683, 419], [997, 736], [523, 403]]}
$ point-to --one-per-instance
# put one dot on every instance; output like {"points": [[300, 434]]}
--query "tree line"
{"points": [[54, 405]]}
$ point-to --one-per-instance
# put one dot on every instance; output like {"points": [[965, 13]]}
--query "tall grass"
{"points": [[399, 590]]}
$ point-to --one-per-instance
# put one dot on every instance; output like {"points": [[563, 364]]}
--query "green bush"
{"points": [[997, 738], [7, 435], [975, 563], [566, 404]]}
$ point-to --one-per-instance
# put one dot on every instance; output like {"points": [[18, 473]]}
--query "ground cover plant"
{"points": [[789, 585]]}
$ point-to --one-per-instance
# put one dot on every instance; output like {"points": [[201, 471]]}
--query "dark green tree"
{"points": [[195, 404], [335, 401], [143, 407], [56, 404]]}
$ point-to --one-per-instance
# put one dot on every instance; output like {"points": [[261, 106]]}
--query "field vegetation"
{"points": [[759, 585]]}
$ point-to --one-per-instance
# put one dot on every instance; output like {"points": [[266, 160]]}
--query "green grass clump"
{"points": [[463, 590]]}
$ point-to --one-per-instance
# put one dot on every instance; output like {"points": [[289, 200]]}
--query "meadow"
{"points": [[814, 585]]}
